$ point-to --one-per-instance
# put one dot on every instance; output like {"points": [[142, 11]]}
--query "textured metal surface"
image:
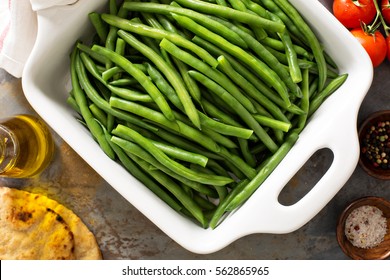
{"points": [[123, 233]]}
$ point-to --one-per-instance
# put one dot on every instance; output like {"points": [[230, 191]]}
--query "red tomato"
{"points": [[388, 47], [374, 44], [385, 8], [350, 13]]}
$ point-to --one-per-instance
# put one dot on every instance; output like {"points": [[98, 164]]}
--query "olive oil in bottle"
{"points": [[26, 146]]}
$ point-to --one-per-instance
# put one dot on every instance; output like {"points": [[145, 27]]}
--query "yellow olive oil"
{"points": [[26, 146]]}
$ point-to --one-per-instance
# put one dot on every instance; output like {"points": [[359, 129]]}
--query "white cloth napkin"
{"points": [[18, 31]]}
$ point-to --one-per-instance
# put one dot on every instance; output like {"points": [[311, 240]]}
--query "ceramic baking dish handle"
{"points": [[341, 138]]}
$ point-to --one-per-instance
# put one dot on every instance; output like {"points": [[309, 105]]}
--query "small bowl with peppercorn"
{"points": [[374, 138], [363, 230]]}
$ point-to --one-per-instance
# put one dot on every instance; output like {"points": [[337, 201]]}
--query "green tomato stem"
{"points": [[375, 24]]}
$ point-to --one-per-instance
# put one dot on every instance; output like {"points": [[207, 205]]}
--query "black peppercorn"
{"points": [[376, 144]]}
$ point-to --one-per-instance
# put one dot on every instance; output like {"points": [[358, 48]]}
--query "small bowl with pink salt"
{"points": [[363, 230]]}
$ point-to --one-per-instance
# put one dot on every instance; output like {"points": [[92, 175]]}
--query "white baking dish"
{"points": [[46, 84]]}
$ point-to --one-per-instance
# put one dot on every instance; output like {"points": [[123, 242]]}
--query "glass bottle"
{"points": [[26, 146]]}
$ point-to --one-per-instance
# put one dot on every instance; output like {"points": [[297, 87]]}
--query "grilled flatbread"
{"points": [[32, 226]]}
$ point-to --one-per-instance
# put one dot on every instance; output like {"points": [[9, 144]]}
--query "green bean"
{"points": [[181, 154], [221, 208], [98, 114], [79, 79], [217, 101], [184, 143], [159, 34], [262, 87], [271, 63], [217, 76], [175, 80], [221, 3], [127, 94], [279, 46], [105, 92], [109, 73], [238, 5], [258, 148], [151, 20], [292, 59], [132, 149], [163, 85], [278, 133], [94, 96], [112, 7], [203, 203], [98, 57], [302, 63], [143, 111], [241, 111], [313, 88], [217, 168], [99, 25], [230, 13], [213, 9], [176, 190], [100, 88], [330, 72], [72, 103], [215, 112], [236, 162], [168, 59], [263, 173], [219, 138], [123, 82], [153, 44], [330, 61], [272, 7], [169, 26], [216, 27], [173, 165], [305, 102], [249, 158], [261, 68], [232, 130], [261, 110], [192, 86], [134, 170], [319, 98], [178, 126], [258, 33], [120, 48], [223, 118], [250, 89], [311, 39], [272, 123], [210, 129], [145, 132], [225, 129], [295, 73], [140, 77], [110, 43], [222, 191], [166, 89]]}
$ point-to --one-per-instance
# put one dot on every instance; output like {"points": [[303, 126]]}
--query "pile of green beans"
{"points": [[200, 100]]}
